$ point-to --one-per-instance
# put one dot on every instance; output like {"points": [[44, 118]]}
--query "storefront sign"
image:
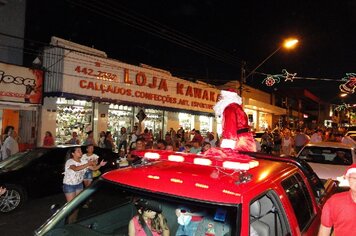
{"points": [[20, 84], [104, 78]]}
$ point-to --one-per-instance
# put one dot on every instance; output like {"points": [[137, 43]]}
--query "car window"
{"points": [[20, 160], [267, 216], [327, 155], [107, 208], [298, 196]]}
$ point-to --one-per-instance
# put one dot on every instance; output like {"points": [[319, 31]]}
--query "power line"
{"points": [[88, 62], [151, 28]]}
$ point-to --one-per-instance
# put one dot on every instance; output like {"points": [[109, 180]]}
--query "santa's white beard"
{"points": [[223, 103]]}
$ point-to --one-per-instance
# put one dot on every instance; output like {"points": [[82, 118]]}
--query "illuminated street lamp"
{"points": [[288, 44]]}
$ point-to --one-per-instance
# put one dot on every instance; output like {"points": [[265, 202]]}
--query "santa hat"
{"points": [[350, 170], [231, 94]]}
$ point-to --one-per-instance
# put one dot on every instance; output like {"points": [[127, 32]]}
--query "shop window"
{"points": [[119, 116], [252, 117], [186, 121], [205, 125], [73, 116], [263, 121], [154, 122]]}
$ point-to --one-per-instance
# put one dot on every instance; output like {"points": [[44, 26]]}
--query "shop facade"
{"points": [[21, 92], [86, 91]]}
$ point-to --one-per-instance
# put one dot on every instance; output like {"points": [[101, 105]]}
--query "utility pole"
{"points": [[242, 77]]}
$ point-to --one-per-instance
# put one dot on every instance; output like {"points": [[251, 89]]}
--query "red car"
{"points": [[238, 194]]}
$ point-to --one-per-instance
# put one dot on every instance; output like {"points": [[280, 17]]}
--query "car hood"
{"points": [[328, 171]]}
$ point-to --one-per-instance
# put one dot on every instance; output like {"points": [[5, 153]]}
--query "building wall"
{"points": [[47, 120]]}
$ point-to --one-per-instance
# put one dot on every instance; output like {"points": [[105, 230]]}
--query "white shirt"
{"points": [[72, 177], [11, 144], [85, 158], [92, 157]]}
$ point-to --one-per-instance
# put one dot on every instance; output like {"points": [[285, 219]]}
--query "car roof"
{"points": [[330, 144], [204, 183]]}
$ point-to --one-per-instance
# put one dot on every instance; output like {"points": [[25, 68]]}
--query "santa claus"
{"points": [[235, 130]]}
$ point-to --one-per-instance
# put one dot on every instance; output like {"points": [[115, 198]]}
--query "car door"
{"points": [[267, 216], [47, 172]]}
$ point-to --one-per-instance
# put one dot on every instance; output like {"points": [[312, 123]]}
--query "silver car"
{"points": [[329, 159]]}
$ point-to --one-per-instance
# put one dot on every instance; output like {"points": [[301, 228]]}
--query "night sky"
{"points": [[208, 39]]}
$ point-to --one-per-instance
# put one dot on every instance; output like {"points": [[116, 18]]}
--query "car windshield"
{"points": [[106, 208], [21, 159], [327, 155]]}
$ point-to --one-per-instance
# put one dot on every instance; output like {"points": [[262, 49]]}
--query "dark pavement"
{"points": [[33, 214]]}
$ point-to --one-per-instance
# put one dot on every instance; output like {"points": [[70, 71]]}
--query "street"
{"points": [[29, 217]]}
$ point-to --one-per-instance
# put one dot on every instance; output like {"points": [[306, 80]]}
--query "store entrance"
{"points": [[154, 122]]}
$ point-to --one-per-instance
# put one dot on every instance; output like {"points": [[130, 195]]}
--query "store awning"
{"points": [[18, 106]]}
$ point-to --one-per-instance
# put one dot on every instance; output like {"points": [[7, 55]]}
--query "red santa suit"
{"points": [[235, 130]]}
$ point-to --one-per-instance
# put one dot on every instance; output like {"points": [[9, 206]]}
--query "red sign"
{"points": [[20, 84]]}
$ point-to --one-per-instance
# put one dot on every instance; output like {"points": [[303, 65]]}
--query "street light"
{"points": [[288, 44]]}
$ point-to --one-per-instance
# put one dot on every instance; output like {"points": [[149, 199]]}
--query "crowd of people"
{"points": [[282, 141], [291, 141]]}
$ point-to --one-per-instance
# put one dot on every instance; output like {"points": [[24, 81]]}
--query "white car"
{"points": [[329, 159], [352, 134]]}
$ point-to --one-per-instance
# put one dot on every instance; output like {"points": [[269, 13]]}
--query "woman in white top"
{"points": [[87, 157], [287, 143], [74, 172]]}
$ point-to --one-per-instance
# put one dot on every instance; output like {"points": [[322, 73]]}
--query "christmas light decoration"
{"points": [[288, 76], [341, 107], [350, 84], [270, 80]]}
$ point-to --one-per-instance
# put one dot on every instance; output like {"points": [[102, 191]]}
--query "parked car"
{"points": [[352, 134], [329, 159], [39, 172], [213, 195]]}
